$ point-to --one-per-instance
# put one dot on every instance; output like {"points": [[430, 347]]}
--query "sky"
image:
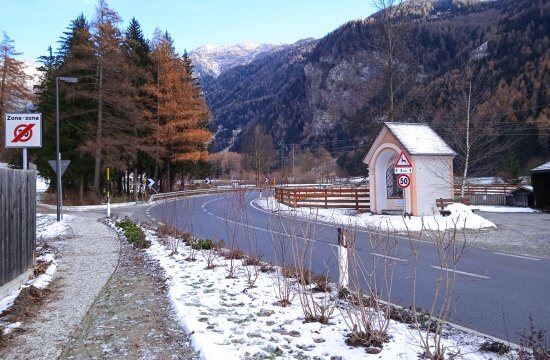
{"points": [[36, 24]]}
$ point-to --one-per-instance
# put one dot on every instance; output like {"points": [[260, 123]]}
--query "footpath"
{"points": [[106, 300]]}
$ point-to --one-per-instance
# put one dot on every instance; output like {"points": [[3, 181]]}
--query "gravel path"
{"points": [[520, 233], [132, 317], [86, 259]]}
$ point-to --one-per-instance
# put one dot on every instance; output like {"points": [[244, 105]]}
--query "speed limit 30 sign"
{"points": [[403, 181], [23, 130]]}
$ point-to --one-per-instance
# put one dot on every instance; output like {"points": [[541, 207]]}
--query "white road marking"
{"points": [[518, 256], [463, 272], [389, 257]]}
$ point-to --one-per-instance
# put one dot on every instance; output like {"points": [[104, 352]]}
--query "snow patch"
{"points": [[461, 217], [227, 319]]}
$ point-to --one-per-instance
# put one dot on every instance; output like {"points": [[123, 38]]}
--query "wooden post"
{"points": [[343, 267]]}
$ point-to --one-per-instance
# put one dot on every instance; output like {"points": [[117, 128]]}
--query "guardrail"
{"points": [[345, 198], [187, 193]]}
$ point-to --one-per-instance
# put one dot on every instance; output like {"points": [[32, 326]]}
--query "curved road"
{"points": [[495, 292]]}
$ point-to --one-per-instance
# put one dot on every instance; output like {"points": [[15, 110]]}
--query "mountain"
{"points": [[210, 60], [331, 92]]}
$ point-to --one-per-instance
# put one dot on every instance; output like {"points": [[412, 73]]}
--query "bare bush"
{"points": [[450, 246], [371, 272]]}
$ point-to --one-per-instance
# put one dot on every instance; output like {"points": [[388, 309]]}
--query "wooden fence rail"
{"points": [[494, 194], [486, 189], [346, 198], [17, 222]]}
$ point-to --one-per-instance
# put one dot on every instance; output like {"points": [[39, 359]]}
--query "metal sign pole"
{"points": [[108, 195], [404, 202], [25, 162]]}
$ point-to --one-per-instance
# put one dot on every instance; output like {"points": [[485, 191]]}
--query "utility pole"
{"points": [[281, 143], [293, 151]]}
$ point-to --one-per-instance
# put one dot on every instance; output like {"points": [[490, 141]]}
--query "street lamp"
{"points": [[58, 155]]}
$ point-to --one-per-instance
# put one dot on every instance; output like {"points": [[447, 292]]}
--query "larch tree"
{"points": [[106, 82], [14, 93], [180, 116]]}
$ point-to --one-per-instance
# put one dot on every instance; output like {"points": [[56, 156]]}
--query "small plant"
{"points": [[536, 341], [321, 282], [133, 233], [233, 254], [3, 339], [252, 261], [202, 244], [343, 293], [168, 230], [495, 347], [187, 238], [407, 315], [267, 268]]}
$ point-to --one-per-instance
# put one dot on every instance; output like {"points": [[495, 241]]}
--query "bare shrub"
{"points": [[536, 341], [371, 272], [316, 306], [284, 285], [232, 254], [252, 261], [450, 246]]}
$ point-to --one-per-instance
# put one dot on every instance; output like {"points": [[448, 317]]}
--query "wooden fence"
{"points": [[346, 198], [486, 194], [17, 222]]}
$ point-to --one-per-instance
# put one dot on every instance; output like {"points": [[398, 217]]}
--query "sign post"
{"points": [[108, 194], [23, 131], [403, 169], [343, 266]]}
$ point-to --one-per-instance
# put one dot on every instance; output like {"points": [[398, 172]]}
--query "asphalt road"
{"points": [[495, 292]]}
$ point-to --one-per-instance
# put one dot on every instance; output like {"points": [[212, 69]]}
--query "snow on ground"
{"points": [[42, 184], [226, 319], [46, 227], [461, 216], [503, 209]]}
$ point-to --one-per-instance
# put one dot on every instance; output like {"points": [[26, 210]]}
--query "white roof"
{"points": [[543, 167], [419, 139]]}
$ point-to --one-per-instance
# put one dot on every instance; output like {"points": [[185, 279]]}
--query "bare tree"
{"points": [[391, 30], [259, 152]]}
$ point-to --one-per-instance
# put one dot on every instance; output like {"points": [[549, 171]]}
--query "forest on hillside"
{"points": [[486, 64], [477, 73], [126, 103]]}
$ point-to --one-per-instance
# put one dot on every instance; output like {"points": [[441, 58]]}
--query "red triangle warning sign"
{"points": [[403, 160]]}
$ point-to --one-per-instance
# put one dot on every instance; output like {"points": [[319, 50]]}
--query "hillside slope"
{"points": [[331, 92]]}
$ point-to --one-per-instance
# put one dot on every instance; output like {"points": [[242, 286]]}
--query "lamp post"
{"points": [[58, 154]]}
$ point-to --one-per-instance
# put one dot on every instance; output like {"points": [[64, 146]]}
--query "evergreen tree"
{"points": [[74, 58], [110, 89], [138, 55]]}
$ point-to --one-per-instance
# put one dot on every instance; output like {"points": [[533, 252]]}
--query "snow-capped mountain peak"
{"points": [[212, 60]]}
